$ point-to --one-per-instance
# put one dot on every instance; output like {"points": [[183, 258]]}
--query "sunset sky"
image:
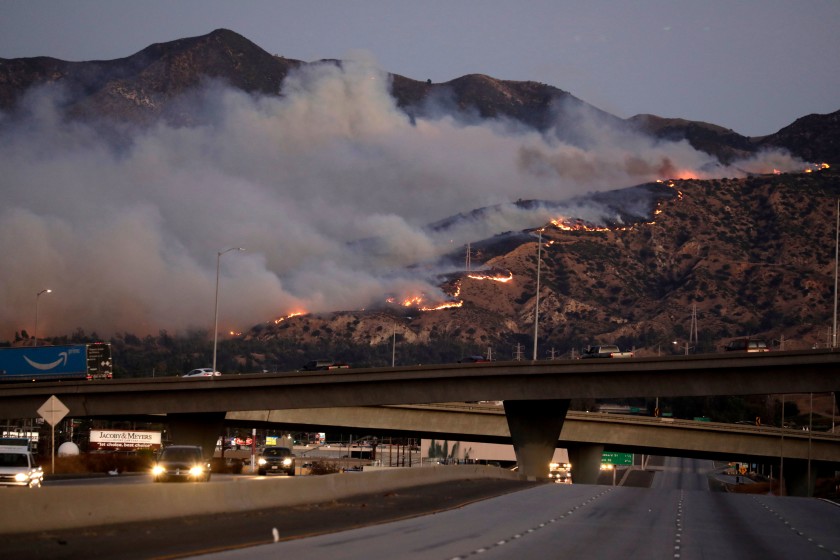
{"points": [[331, 188], [751, 65]]}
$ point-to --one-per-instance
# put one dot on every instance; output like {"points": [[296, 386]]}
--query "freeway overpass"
{"points": [[536, 394], [581, 431], [624, 433]]}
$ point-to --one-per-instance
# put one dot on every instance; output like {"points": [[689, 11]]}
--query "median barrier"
{"points": [[68, 507]]}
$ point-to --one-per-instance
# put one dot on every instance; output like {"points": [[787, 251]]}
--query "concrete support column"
{"points": [[200, 428], [586, 462], [534, 429], [797, 481]]}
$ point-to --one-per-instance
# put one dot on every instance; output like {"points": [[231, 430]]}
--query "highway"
{"points": [[134, 479], [678, 517]]}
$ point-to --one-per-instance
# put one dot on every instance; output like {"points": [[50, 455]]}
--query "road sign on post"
{"points": [[53, 411], [612, 458]]}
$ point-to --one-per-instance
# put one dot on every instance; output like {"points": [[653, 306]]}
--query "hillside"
{"points": [[748, 256], [755, 255]]}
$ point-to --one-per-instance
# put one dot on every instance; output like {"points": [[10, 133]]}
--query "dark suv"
{"points": [[746, 345], [323, 365], [276, 460], [181, 462]]}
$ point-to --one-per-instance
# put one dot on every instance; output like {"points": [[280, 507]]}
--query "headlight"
{"points": [[21, 477], [196, 470], [261, 461], [157, 469], [287, 462]]}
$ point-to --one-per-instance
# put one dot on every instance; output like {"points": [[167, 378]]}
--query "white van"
{"points": [[18, 467]]}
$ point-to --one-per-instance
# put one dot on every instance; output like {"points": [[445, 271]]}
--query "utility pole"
{"points": [[468, 263], [537, 298], [692, 333]]}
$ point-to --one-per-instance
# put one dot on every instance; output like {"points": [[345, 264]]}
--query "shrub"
{"points": [[323, 467]]}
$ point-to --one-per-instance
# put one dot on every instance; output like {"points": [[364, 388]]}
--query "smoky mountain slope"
{"points": [[164, 80], [755, 256]]}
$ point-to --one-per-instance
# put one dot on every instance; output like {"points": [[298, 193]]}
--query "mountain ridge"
{"points": [[754, 255], [139, 88]]}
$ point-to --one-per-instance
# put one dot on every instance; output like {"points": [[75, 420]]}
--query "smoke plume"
{"points": [[328, 188]]}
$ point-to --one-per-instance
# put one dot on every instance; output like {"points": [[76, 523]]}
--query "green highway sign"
{"points": [[612, 458]]}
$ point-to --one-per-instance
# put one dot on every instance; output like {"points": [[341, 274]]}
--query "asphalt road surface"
{"points": [[188, 536], [678, 517]]}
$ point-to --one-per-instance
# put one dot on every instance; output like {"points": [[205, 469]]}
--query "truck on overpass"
{"points": [[52, 363]]}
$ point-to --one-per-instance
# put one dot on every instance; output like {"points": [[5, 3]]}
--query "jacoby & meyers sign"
{"points": [[124, 440]]}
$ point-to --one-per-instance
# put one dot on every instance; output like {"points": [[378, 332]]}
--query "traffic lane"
{"points": [[689, 525], [468, 530], [184, 536], [759, 526], [631, 523], [138, 478], [587, 522], [679, 473], [816, 520]]}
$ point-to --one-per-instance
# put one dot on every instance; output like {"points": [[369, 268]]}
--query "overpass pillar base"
{"points": [[797, 479], [200, 428], [586, 463], [534, 429]]}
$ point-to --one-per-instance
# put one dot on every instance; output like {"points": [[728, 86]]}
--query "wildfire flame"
{"points": [[447, 305], [289, 316], [576, 224], [412, 301], [816, 167], [495, 277], [420, 302]]}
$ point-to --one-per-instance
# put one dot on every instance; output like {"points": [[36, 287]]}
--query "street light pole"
{"points": [[38, 295], [836, 250], [394, 345], [537, 304], [216, 313]]}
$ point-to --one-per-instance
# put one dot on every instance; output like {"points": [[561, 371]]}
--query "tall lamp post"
{"points": [[394, 344], [836, 253], [537, 305], [38, 295], [216, 313]]}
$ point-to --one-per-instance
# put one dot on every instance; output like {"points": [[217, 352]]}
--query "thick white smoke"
{"points": [[327, 188]]}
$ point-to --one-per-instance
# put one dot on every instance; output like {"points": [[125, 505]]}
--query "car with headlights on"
{"points": [[276, 459], [181, 462], [18, 467]]}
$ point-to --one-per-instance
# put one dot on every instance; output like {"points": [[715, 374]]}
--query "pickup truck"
{"points": [[610, 351]]}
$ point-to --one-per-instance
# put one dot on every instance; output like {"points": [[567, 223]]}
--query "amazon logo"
{"points": [[62, 360]]}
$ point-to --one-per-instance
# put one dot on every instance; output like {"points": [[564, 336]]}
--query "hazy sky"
{"points": [[750, 65], [331, 187]]}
